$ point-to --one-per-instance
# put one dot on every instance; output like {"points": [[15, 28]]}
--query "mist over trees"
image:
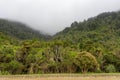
{"points": [[20, 30], [89, 46]]}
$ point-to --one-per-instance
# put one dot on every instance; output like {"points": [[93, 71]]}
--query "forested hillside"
{"points": [[102, 31], [89, 46], [19, 30]]}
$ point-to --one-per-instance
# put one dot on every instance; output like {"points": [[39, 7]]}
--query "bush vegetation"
{"points": [[89, 46]]}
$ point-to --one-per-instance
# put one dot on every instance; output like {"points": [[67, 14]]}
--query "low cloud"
{"points": [[51, 16]]}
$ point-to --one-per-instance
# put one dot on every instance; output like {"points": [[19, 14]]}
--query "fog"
{"points": [[51, 16]]}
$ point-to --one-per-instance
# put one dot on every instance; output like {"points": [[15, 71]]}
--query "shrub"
{"points": [[110, 68], [4, 73]]}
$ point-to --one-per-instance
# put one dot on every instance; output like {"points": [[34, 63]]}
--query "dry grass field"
{"points": [[62, 77]]}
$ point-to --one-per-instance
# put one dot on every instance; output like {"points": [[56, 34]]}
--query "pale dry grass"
{"points": [[62, 77]]}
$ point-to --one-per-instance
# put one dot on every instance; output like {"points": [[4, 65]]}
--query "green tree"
{"points": [[86, 62], [15, 67]]}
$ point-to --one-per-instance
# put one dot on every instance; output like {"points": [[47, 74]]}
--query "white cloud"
{"points": [[52, 16]]}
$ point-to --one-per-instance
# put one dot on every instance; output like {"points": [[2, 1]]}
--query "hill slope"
{"points": [[89, 46], [19, 30], [101, 31]]}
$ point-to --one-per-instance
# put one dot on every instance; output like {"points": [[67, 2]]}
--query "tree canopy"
{"points": [[89, 46]]}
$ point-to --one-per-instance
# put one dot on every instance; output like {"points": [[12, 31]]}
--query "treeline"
{"points": [[89, 46], [35, 57]]}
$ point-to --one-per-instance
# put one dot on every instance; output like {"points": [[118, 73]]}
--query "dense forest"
{"points": [[89, 46]]}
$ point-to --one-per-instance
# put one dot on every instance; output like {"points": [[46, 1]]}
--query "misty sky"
{"points": [[51, 16]]}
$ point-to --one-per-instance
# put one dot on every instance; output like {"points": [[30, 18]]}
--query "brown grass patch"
{"points": [[63, 77]]}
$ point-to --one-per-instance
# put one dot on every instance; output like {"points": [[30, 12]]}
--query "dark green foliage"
{"points": [[89, 46], [100, 32], [19, 30]]}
